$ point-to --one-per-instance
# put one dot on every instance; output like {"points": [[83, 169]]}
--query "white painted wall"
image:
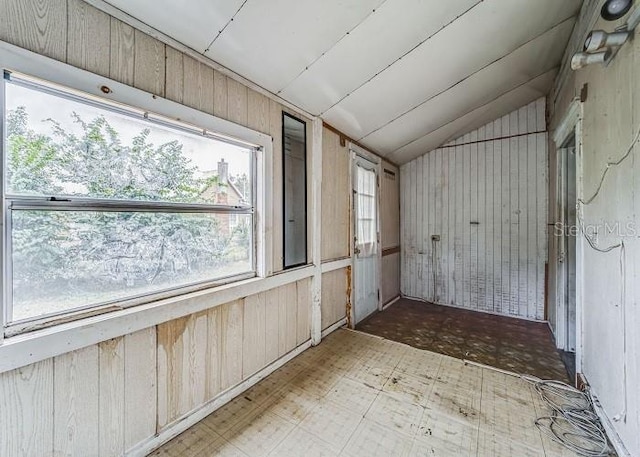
{"points": [[609, 308], [486, 197]]}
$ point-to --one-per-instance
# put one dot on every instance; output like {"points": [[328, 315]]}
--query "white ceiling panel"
{"points": [[194, 23], [402, 76], [395, 28], [526, 63], [516, 98], [272, 42], [491, 30]]}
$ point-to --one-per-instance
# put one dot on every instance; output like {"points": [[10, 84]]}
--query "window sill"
{"points": [[27, 348]]}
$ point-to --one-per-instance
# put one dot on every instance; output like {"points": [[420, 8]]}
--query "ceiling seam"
{"points": [[306, 68], [404, 55], [519, 86], [225, 27], [470, 75]]}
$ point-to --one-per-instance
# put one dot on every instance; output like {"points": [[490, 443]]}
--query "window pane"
{"points": [[68, 259], [294, 151], [60, 146]]}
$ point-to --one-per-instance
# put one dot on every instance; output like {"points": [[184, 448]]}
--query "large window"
{"points": [[105, 204]]}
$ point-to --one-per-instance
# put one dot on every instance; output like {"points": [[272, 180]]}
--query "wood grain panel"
{"points": [[76, 402], [88, 38], [287, 317], [122, 55], [174, 75], [237, 104], [335, 197], [258, 114], [140, 371], [111, 397], [26, 396], [304, 308], [254, 338], [149, 64], [182, 378], [198, 85], [36, 25], [482, 196], [334, 297], [273, 329], [220, 93], [390, 206], [232, 336], [390, 285]]}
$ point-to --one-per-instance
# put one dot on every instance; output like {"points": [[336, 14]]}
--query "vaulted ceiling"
{"points": [[400, 76]]}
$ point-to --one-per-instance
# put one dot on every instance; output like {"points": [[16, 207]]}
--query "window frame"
{"points": [[285, 114], [106, 91]]}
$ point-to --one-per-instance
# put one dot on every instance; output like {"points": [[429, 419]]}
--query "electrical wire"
{"points": [[573, 422], [622, 416]]}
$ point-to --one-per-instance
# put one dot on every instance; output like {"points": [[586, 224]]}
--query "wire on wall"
{"points": [[622, 416]]}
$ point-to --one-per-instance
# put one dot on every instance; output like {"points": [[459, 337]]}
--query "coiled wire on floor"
{"points": [[573, 422]]}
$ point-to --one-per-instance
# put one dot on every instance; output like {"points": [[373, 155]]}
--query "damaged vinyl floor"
{"points": [[361, 395], [508, 343]]}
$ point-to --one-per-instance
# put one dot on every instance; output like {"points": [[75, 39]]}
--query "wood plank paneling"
{"points": [[199, 90], [335, 197], [26, 415], [141, 392], [122, 55], [258, 114], [483, 196], [254, 340], [107, 398], [182, 376], [287, 318], [37, 25], [174, 75], [76, 402], [88, 38], [149, 64], [303, 321], [111, 397], [237, 104], [334, 297]]}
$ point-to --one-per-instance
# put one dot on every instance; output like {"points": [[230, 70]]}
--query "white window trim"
{"points": [[30, 347]]}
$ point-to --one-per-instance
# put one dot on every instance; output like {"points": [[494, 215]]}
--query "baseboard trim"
{"points": [[332, 328], [391, 302]]}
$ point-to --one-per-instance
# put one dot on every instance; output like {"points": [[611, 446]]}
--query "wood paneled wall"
{"points": [[607, 338], [105, 399], [334, 296], [336, 219], [487, 200], [390, 231]]}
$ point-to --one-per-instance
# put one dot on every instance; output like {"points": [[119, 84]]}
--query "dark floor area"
{"points": [[516, 345]]}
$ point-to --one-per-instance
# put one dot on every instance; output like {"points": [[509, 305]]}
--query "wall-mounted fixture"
{"points": [[599, 39], [602, 47], [613, 10]]}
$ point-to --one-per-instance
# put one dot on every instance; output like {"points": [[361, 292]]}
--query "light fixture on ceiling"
{"points": [[614, 9], [602, 47]]}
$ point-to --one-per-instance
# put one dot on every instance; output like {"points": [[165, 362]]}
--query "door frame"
{"points": [[571, 124], [356, 151]]}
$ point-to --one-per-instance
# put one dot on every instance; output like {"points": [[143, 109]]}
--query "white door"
{"points": [[366, 239]]}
